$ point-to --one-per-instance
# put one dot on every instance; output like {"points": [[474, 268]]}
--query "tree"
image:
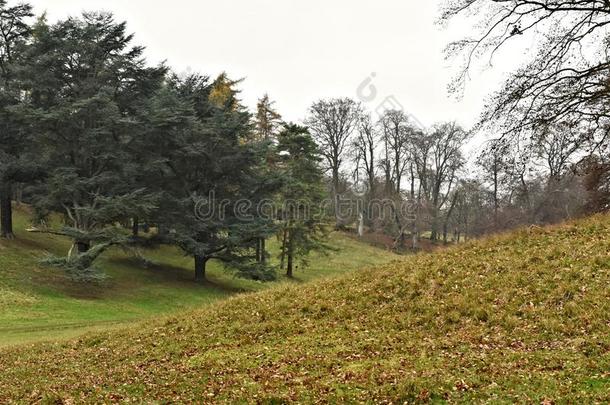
{"points": [[14, 34], [267, 120], [557, 145], [597, 184], [332, 123], [86, 83], [397, 133], [213, 177], [567, 78], [266, 124], [438, 157], [469, 209], [493, 163], [364, 151], [302, 226]]}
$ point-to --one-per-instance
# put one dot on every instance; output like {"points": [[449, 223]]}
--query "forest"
{"points": [[105, 148]]}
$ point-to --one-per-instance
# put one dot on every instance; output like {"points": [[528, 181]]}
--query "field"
{"points": [[523, 317], [40, 303]]}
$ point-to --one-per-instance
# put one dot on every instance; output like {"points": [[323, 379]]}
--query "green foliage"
{"points": [[209, 158], [80, 267], [303, 224], [86, 87]]}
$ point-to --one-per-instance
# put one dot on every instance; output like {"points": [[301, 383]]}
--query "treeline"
{"points": [[129, 155], [391, 176], [548, 125]]}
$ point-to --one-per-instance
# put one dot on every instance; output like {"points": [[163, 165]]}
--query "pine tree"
{"points": [[213, 163], [303, 223], [87, 86], [13, 139], [267, 120]]}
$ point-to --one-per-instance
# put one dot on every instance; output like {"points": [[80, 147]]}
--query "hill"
{"points": [[40, 303], [523, 317]]}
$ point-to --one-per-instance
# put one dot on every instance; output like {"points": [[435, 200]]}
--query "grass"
{"points": [[40, 303], [523, 318]]}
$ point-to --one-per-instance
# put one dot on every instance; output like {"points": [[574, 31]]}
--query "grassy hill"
{"points": [[516, 318], [40, 303]]}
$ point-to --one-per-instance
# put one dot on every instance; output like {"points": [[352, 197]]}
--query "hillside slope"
{"points": [[522, 317], [40, 303]]}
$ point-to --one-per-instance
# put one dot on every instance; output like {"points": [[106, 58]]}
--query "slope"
{"points": [[40, 303], [523, 317]]}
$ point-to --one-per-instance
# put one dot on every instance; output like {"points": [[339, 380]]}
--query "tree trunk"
{"points": [[496, 202], [412, 182], [338, 219], [289, 270], [83, 247], [135, 229], [200, 264], [336, 197], [448, 217], [434, 225], [434, 232], [263, 251], [6, 212], [258, 250]]}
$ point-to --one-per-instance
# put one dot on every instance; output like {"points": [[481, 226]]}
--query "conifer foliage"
{"points": [[110, 145]]}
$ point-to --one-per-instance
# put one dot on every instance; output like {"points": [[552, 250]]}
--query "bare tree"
{"points": [[332, 123], [364, 147], [597, 184], [397, 133], [557, 146], [567, 78], [447, 141], [493, 164]]}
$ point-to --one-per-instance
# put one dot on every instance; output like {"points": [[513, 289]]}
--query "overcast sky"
{"points": [[300, 51]]}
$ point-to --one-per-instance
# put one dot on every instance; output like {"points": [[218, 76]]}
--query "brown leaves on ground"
{"points": [[516, 318]]}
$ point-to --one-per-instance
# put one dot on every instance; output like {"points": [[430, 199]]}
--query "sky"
{"points": [[302, 51]]}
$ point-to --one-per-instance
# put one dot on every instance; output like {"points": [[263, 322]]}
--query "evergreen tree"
{"points": [[303, 228], [214, 181], [268, 120], [14, 140], [266, 124], [88, 86]]}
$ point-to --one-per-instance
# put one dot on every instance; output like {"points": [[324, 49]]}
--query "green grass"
{"points": [[519, 318], [40, 303]]}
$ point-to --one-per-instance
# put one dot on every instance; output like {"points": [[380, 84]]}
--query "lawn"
{"points": [[518, 318], [40, 303]]}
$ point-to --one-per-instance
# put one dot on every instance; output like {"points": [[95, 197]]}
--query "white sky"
{"points": [[301, 51]]}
